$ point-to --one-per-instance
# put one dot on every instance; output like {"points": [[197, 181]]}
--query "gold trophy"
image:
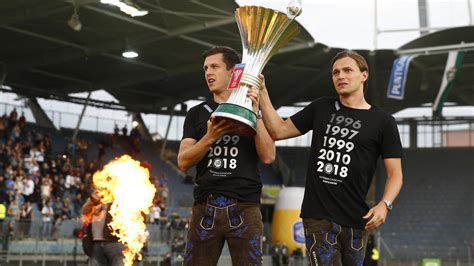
{"points": [[263, 32]]}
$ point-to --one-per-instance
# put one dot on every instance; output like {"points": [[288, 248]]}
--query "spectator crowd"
{"points": [[50, 188]]}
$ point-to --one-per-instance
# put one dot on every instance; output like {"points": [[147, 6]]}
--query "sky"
{"points": [[351, 24]]}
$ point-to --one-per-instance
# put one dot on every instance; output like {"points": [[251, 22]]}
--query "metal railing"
{"points": [[62, 119], [430, 133]]}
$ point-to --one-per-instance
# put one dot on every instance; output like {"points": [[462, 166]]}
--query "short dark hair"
{"points": [[360, 61], [231, 57]]}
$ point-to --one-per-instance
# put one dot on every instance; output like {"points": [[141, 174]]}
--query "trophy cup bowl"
{"points": [[263, 32]]}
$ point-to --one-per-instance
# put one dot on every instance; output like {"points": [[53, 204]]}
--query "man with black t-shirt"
{"points": [[228, 186], [349, 135]]}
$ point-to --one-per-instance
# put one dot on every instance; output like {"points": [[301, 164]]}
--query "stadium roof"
{"points": [[43, 57]]}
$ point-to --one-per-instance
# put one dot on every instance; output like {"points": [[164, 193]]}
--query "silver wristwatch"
{"points": [[388, 204]]}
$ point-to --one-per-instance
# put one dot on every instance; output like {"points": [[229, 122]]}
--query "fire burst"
{"points": [[126, 185]]}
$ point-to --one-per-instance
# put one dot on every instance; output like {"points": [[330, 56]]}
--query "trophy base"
{"points": [[243, 120]]}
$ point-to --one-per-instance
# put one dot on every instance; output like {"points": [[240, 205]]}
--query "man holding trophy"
{"points": [[228, 185], [349, 135], [225, 138]]}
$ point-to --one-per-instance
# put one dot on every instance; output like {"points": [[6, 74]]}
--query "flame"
{"points": [[125, 184]]}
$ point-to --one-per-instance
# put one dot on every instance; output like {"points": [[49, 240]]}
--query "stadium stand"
{"points": [[297, 160], [41, 166], [433, 215]]}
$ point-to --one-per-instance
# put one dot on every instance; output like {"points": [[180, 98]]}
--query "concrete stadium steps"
{"points": [[67, 246], [296, 158], [433, 216]]}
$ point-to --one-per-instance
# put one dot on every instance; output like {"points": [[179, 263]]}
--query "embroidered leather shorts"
{"points": [[223, 219], [329, 243]]}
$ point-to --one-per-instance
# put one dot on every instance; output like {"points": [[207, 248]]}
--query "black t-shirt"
{"points": [[230, 166], [345, 148]]}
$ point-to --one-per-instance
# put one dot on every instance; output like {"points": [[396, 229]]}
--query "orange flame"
{"points": [[125, 184]]}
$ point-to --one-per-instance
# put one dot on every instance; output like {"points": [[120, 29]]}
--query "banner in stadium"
{"points": [[398, 77], [453, 63]]}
